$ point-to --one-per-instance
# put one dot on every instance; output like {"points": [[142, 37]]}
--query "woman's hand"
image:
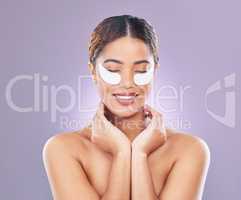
{"points": [[153, 136], [107, 136]]}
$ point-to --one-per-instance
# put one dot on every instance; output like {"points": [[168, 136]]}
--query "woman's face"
{"points": [[124, 71]]}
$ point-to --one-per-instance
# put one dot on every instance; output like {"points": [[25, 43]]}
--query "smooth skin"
{"points": [[110, 161]]}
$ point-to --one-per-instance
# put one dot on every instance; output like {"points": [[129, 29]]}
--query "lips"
{"points": [[129, 94], [126, 98]]}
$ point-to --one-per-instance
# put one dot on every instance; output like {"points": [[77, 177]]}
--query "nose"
{"points": [[127, 79]]}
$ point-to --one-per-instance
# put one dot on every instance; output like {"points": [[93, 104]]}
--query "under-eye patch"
{"points": [[145, 77], [112, 78]]}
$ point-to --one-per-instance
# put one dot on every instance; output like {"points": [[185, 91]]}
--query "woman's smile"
{"points": [[125, 99]]}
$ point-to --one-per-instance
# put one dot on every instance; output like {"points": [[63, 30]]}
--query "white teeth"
{"points": [[124, 97]]}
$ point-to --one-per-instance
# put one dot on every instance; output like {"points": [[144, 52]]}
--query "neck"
{"points": [[130, 126]]}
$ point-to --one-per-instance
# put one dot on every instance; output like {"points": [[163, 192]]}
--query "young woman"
{"points": [[125, 152]]}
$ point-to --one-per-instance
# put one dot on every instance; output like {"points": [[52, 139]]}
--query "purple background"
{"points": [[199, 45]]}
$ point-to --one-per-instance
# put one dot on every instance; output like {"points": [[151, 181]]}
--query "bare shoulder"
{"points": [[63, 156], [188, 145], [72, 143]]}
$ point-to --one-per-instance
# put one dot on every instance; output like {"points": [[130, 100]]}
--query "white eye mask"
{"points": [[144, 78], [114, 78]]}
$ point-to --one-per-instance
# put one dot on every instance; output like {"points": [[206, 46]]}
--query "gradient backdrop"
{"points": [[46, 88]]}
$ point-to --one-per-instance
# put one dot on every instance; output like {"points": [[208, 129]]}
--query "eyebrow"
{"points": [[119, 62]]}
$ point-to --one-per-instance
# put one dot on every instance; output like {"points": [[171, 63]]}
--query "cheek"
{"points": [[143, 93], [104, 90], [146, 90]]}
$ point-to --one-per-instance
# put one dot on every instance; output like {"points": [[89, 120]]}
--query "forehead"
{"points": [[126, 49]]}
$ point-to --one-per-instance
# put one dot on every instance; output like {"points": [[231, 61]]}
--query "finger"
{"points": [[101, 114], [104, 123], [100, 108], [98, 122], [151, 110], [157, 119], [93, 127], [146, 112], [159, 123]]}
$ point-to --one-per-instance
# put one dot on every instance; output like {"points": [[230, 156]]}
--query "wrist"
{"points": [[138, 157], [124, 151], [125, 154], [138, 152]]}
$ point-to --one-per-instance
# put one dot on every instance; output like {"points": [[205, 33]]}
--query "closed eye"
{"points": [[113, 70], [141, 71]]}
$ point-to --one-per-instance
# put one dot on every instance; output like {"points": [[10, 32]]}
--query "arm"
{"points": [[110, 139], [66, 176], [146, 142], [142, 185], [185, 181], [187, 178], [68, 180], [119, 181]]}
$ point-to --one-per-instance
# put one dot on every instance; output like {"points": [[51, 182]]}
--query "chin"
{"points": [[123, 112]]}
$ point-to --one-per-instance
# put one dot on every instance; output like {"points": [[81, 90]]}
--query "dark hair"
{"points": [[116, 27]]}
